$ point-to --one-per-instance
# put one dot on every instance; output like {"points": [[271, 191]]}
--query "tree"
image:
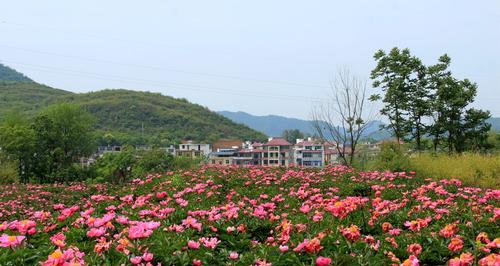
{"points": [[402, 78], [291, 135], [64, 134], [117, 167], [17, 142], [462, 128], [342, 119]]}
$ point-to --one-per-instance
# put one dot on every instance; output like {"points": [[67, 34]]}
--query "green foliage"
{"points": [[414, 93], [291, 135], [48, 146], [8, 170], [397, 74], [181, 162], [153, 161], [17, 140], [63, 134], [392, 157], [116, 167], [26, 98]]}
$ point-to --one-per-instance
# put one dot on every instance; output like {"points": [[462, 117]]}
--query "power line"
{"points": [[149, 67], [165, 69], [162, 83]]}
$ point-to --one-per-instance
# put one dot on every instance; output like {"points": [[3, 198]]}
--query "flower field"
{"points": [[252, 216]]}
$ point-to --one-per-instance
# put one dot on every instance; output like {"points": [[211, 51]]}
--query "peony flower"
{"points": [[414, 249], [136, 260], [411, 261], [10, 241], [456, 244], [490, 260], [465, 259], [283, 248], [352, 233], [193, 244], [58, 240], [234, 255], [323, 261]]}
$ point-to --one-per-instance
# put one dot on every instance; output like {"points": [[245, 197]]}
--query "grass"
{"points": [[471, 168]]}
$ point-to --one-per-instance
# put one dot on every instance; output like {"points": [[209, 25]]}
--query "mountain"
{"points": [[26, 97], [495, 123], [9, 74], [271, 125], [158, 116], [130, 116], [274, 125]]}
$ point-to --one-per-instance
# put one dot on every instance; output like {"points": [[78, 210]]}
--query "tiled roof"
{"points": [[277, 142], [226, 144]]}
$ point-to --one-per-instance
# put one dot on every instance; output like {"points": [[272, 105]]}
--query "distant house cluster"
{"points": [[275, 152]]}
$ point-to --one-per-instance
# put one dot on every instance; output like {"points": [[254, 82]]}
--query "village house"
{"points": [[249, 154], [308, 153], [224, 151], [277, 152], [192, 150]]}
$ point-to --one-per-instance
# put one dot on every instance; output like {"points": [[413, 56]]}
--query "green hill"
{"points": [[9, 74], [26, 97], [129, 116], [159, 118]]}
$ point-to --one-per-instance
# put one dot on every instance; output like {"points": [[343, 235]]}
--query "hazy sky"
{"points": [[262, 57]]}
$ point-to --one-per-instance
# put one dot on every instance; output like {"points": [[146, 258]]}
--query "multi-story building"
{"points": [[224, 151], [308, 153], [250, 154], [222, 156], [193, 150], [277, 152]]}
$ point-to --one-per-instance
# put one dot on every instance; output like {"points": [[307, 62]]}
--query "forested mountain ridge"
{"points": [[132, 117]]}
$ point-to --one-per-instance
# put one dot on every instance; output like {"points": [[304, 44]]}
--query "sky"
{"points": [[262, 57]]}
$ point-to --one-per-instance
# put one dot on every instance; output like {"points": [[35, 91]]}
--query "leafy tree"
{"points": [[17, 142], [401, 77], [116, 167], [291, 135], [64, 134], [153, 161], [462, 128]]}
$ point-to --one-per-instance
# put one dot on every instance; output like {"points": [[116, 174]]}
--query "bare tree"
{"points": [[341, 120]]}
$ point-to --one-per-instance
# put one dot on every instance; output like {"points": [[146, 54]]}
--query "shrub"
{"points": [[153, 161], [116, 167], [392, 157], [8, 171]]}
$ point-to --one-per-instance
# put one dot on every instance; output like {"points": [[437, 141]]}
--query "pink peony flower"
{"points": [[10, 241], [323, 261], [193, 244], [234, 255]]}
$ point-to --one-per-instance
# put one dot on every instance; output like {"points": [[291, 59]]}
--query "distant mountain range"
{"points": [[274, 125]]}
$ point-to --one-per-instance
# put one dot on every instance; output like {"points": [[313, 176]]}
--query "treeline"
{"points": [[427, 105], [48, 148]]}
